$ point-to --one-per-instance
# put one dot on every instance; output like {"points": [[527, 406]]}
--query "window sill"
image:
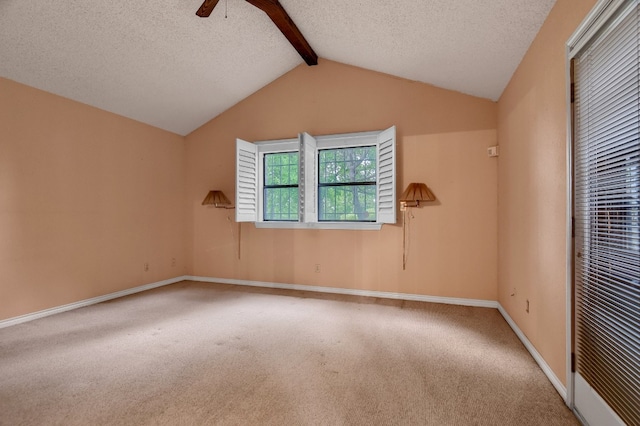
{"points": [[320, 225]]}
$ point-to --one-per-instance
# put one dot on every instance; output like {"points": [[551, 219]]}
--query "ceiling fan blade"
{"points": [[206, 8]]}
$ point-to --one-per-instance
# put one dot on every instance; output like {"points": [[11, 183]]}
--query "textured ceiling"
{"points": [[157, 62]]}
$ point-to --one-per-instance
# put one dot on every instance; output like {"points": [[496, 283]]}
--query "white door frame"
{"points": [[596, 409]]}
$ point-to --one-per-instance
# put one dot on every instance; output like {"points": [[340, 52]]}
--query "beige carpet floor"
{"points": [[207, 354]]}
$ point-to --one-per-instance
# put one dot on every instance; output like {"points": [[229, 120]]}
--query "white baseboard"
{"points": [[352, 292], [555, 381], [82, 303]]}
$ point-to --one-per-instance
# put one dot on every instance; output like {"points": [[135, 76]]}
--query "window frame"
{"points": [[264, 187], [308, 207], [345, 185], [273, 147]]}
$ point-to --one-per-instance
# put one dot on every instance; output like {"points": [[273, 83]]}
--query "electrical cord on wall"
{"points": [[406, 225], [233, 234]]}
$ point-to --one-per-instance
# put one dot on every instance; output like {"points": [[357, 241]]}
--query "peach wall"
{"points": [[442, 141], [532, 132], [86, 198]]}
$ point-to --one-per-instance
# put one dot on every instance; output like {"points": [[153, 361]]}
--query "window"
{"points": [[280, 189], [347, 184], [337, 182]]}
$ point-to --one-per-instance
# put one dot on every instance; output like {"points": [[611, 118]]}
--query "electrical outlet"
{"points": [[317, 268], [146, 266], [527, 306], [513, 293], [173, 261]]}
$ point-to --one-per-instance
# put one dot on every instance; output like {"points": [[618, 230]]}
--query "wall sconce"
{"points": [[415, 194], [218, 200]]}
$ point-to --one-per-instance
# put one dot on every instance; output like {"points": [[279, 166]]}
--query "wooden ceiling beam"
{"points": [[285, 24], [206, 8]]}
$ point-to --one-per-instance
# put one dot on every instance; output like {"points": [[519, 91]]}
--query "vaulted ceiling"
{"points": [[157, 62]]}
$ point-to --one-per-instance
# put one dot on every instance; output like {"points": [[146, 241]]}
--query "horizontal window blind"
{"points": [[607, 202]]}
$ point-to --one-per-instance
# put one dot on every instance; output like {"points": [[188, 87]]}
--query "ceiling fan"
{"points": [[281, 18]]}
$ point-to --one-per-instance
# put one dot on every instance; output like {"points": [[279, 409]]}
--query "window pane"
{"points": [[347, 203], [346, 186], [281, 186], [281, 203], [347, 165], [281, 169]]}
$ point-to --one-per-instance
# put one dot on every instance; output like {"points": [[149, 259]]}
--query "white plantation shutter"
{"points": [[308, 179], [246, 181], [387, 176], [249, 185]]}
